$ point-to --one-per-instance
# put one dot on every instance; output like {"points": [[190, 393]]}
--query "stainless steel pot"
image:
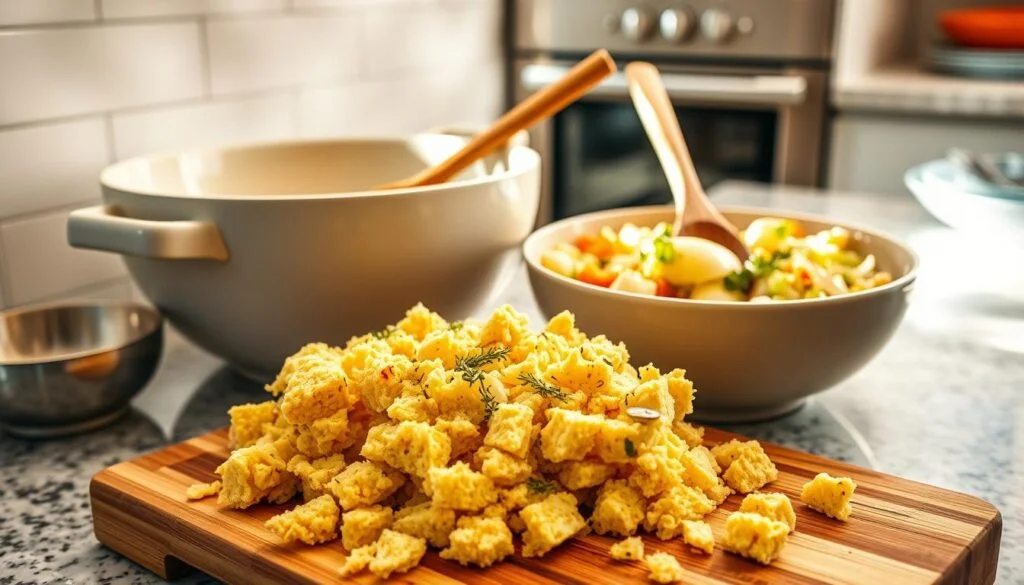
{"points": [[252, 251]]}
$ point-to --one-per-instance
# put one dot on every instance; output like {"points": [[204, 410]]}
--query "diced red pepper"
{"points": [[664, 288], [593, 274]]}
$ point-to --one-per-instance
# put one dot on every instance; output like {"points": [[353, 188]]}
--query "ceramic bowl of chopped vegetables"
{"points": [[815, 301]]}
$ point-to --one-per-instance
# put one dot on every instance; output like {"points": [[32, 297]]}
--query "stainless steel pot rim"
{"points": [[107, 181], [903, 281], [153, 326]]}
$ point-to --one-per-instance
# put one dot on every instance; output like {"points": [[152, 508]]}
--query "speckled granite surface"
{"points": [[943, 404]]}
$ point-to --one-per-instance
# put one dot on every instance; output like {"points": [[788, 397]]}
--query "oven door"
{"points": [[755, 124]]}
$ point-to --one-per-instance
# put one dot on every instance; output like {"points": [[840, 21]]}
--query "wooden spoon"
{"points": [[539, 106], [695, 214]]}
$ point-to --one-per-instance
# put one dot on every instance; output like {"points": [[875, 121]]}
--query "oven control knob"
{"points": [[636, 24], [716, 25], [676, 24]]}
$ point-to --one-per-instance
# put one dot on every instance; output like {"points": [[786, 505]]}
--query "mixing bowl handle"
{"points": [[105, 227]]}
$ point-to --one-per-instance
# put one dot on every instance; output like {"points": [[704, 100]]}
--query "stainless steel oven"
{"points": [[748, 78]]}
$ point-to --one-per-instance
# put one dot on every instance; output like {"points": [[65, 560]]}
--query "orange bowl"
{"points": [[992, 28]]}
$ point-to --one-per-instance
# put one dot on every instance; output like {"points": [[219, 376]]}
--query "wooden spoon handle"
{"points": [[539, 106], [662, 126]]}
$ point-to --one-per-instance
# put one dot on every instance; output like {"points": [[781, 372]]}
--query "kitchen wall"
{"points": [[84, 83]]}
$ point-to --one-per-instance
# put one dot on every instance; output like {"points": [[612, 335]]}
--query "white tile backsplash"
{"points": [[40, 264], [83, 82], [72, 71], [240, 120], [260, 53], [20, 12], [113, 9], [51, 165]]}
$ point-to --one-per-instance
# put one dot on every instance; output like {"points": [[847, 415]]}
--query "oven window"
{"points": [[602, 158]]}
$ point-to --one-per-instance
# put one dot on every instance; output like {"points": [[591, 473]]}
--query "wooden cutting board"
{"points": [[900, 532]]}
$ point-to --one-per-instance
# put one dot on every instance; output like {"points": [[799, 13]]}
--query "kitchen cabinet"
{"points": [[870, 152]]}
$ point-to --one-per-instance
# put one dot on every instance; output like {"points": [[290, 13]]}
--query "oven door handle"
{"points": [[774, 90]]}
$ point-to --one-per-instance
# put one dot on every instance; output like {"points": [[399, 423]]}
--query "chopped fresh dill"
{"points": [[608, 361], [469, 367], [539, 486], [543, 388], [756, 267], [630, 449], [456, 325]]}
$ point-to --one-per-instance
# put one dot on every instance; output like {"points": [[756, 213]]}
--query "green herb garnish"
{"points": [[543, 388], [456, 325], [756, 267], [539, 486], [469, 367], [630, 449]]}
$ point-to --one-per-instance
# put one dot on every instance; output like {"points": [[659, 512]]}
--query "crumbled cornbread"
{"points": [[829, 495], [502, 468], [664, 568], [314, 522], [252, 474], [630, 549], [667, 514], [460, 488], [697, 534], [754, 536], [396, 553], [358, 560], [549, 523], [569, 435], [247, 422], [619, 509], [198, 491], [480, 541], [747, 466], [364, 483], [577, 475], [774, 505], [412, 447], [510, 429], [427, 522], [461, 435], [314, 475], [363, 526]]}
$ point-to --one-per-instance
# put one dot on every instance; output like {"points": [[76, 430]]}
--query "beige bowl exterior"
{"points": [[748, 361], [253, 251]]}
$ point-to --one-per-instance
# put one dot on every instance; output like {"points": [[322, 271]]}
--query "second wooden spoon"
{"points": [[695, 214]]}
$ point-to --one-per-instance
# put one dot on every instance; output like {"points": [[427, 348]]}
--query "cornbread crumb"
{"points": [[664, 568], [697, 534], [774, 505], [747, 466], [427, 522], [619, 509], [569, 435], [479, 541], [460, 488], [667, 514], [503, 469], [314, 522], [549, 523], [198, 491], [247, 422], [412, 447], [358, 560], [578, 475], [754, 536], [363, 526], [630, 549], [364, 483], [829, 495], [510, 429], [315, 474], [396, 553], [252, 474]]}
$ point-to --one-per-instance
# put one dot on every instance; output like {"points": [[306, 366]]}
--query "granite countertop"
{"points": [[942, 404]]}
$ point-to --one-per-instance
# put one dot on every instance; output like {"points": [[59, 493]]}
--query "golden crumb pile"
{"points": [[465, 436]]}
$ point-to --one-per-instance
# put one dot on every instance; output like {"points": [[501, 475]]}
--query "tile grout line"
{"points": [[40, 213], [98, 5], [206, 70]]}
